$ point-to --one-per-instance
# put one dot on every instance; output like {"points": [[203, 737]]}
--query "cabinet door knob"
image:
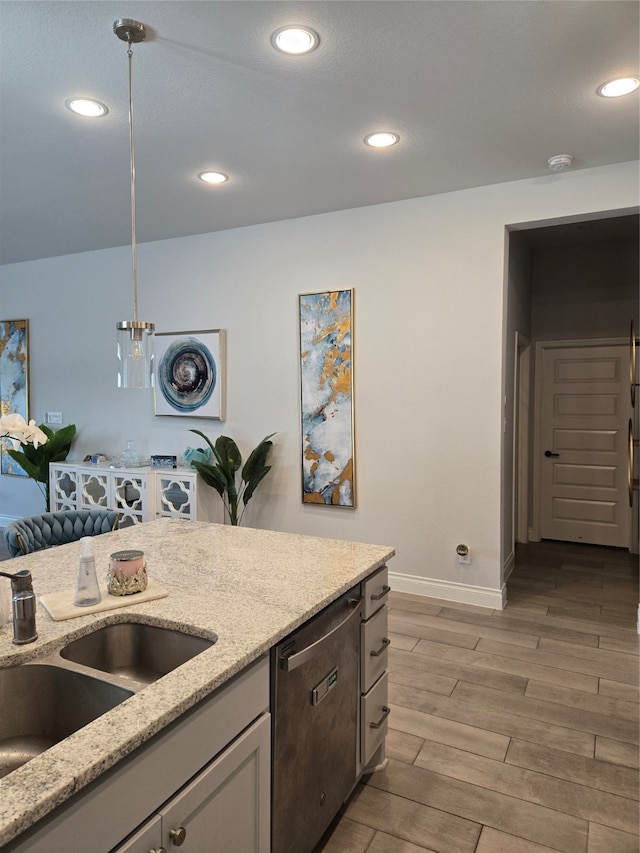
{"points": [[178, 835]]}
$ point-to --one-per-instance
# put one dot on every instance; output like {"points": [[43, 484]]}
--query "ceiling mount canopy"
{"points": [[129, 30], [135, 337]]}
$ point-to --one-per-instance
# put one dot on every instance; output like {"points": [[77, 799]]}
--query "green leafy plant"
{"points": [[34, 460], [222, 475]]}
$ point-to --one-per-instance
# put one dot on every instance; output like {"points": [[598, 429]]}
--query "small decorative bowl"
{"points": [[127, 573], [196, 454]]}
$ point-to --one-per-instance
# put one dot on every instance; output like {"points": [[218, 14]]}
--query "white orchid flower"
{"points": [[34, 435], [12, 421], [14, 427]]}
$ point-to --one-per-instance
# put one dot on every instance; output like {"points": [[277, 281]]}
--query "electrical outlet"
{"points": [[53, 417]]}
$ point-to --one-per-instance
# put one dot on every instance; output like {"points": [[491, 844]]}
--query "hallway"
{"points": [[511, 731]]}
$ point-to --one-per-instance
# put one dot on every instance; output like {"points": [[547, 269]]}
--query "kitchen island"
{"points": [[249, 588]]}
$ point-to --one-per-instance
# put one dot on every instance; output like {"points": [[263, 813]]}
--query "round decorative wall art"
{"points": [[188, 374]]}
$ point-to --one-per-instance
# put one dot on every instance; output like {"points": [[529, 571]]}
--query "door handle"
{"points": [[549, 453], [631, 463], [298, 658]]}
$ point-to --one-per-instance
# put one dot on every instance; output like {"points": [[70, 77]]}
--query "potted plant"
{"points": [[40, 446], [221, 474]]}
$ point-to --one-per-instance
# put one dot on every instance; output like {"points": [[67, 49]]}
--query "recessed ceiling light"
{"points": [[619, 87], [86, 107], [295, 40], [213, 177], [381, 140]]}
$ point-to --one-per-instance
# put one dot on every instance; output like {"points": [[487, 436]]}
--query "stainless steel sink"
{"points": [[41, 704], [131, 650]]}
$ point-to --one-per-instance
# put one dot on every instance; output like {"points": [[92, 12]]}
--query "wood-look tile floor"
{"points": [[512, 731]]}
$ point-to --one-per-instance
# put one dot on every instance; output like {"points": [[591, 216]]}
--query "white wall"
{"points": [[429, 279]]}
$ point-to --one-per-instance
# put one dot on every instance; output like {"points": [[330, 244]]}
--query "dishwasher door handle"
{"points": [[291, 662]]}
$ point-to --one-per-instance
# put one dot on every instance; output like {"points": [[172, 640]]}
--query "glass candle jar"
{"points": [[127, 573]]}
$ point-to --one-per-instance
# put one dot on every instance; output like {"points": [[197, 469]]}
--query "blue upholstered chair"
{"points": [[36, 532]]}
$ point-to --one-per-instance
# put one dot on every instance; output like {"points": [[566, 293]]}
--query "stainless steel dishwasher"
{"points": [[315, 698]]}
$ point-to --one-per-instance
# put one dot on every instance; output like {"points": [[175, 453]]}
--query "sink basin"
{"points": [[143, 653], [42, 704]]}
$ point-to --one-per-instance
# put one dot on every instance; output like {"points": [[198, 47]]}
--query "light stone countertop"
{"points": [[250, 587]]}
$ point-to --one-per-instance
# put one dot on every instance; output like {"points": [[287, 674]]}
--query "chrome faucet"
{"points": [[23, 602]]}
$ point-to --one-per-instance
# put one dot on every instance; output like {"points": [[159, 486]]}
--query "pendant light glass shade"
{"points": [[135, 337], [135, 354]]}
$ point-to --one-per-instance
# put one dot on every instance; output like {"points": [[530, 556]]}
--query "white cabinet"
{"points": [[374, 644], [176, 493], [138, 494], [206, 777], [224, 808]]}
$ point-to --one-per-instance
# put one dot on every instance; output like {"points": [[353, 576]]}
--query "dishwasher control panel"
{"points": [[321, 690]]}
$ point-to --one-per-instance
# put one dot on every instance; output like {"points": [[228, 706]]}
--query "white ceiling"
{"points": [[480, 92]]}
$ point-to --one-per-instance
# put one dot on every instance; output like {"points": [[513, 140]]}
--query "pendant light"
{"points": [[135, 337]]}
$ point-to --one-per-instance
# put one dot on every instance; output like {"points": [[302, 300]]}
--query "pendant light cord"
{"points": [[132, 158]]}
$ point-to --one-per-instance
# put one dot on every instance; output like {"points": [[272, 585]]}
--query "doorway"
{"points": [[567, 281]]}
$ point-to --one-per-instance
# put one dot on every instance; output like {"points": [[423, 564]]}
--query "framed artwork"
{"points": [[326, 385], [14, 382], [189, 374]]}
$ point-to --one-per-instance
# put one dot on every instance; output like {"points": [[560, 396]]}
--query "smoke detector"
{"points": [[560, 162]]}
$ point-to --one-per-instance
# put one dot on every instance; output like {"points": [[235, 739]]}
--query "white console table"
{"points": [[137, 494]]}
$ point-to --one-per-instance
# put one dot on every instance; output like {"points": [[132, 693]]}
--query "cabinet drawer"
{"points": [[374, 645], [376, 592], [374, 711]]}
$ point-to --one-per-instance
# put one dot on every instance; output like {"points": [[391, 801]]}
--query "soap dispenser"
{"points": [[23, 602], [87, 589]]}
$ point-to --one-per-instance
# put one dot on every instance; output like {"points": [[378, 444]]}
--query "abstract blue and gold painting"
{"points": [[326, 372], [14, 373]]}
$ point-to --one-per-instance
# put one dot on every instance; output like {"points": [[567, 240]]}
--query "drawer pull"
{"points": [[385, 713], [384, 645], [385, 589]]}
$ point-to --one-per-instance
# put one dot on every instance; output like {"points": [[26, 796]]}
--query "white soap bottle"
{"points": [[87, 589]]}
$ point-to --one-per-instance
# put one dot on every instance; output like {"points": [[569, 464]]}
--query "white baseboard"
{"points": [[449, 590], [7, 519]]}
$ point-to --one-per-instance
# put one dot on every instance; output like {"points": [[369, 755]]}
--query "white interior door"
{"points": [[585, 406]]}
